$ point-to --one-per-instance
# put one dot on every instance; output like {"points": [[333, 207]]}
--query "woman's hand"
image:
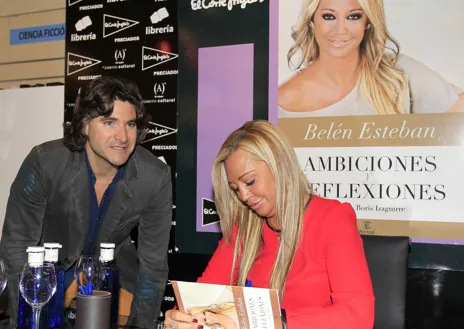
{"points": [[175, 319]]}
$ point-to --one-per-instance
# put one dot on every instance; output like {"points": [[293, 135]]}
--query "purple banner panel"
{"points": [[225, 102], [438, 241], [273, 59]]}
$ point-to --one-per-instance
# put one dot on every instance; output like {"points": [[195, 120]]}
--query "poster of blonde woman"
{"points": [[371, 93], [342, 60]]}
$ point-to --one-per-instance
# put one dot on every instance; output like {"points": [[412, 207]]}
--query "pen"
{"points": [[82, 290], [89, 288], [248, 283]]}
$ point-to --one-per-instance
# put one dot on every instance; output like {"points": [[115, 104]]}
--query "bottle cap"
{"points": [[35, 255], [52, 245], [51, 251], [35, 249], [107, 245], [107, 251]]}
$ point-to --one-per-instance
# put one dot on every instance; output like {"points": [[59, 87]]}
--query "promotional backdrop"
{"points": [[223, 82], [401, 173], [136, 40]]}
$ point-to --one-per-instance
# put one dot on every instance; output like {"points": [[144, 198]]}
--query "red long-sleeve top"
{"points": [[329, 285]]}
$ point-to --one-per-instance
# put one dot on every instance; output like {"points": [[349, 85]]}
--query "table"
{"points": [[4, 324]]}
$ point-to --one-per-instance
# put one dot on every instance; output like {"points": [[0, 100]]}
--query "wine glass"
{"points": [[37, 286], [88, 274], [3, 279]]}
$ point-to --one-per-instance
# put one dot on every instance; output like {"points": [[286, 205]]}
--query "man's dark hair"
{"points": [[97, 99]]}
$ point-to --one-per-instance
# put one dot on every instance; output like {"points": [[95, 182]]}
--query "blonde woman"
{"points": [[277, 235], [215, 316], [350, 65]]}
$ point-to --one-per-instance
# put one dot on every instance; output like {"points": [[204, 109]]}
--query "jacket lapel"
{"points": [[79, 182]]}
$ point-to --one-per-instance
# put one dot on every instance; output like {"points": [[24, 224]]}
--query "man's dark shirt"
{"points": [[97, 215]]}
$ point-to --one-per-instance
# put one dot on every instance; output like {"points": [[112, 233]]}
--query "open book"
{"points": [[228, 307]]}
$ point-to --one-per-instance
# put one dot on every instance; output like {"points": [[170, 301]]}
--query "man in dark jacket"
{"points": [[95, 185]]}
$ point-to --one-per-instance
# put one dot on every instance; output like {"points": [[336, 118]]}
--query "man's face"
{"points": [[112, 139]]}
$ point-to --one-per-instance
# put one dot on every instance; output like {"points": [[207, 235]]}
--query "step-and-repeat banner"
{"points": [[369, 92], [136, 40]]}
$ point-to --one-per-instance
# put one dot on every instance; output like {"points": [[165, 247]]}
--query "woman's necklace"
{"points": [[278, 232], [272, 228]]}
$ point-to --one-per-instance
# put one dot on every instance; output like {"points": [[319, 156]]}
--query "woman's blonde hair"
{"points": [[266, 143], [382, 85]]}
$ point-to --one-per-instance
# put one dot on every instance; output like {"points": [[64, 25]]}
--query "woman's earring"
{"points": [[368, 26]]}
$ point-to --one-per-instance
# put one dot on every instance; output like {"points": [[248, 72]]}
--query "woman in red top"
{"points": [[306, 247]]}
